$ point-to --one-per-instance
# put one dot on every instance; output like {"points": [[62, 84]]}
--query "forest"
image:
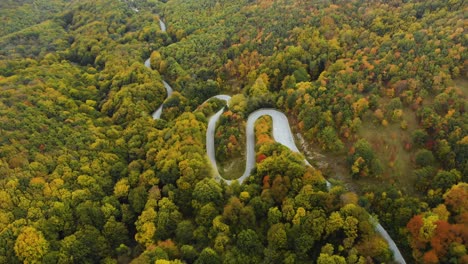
{"points": [[375, 94]]}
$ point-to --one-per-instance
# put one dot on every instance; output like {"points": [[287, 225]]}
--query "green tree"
{"points": [[167, 219], [419, 137], [184, 232], [208, 256], [248, 242], [206, 215], [277, 238], [424, 158], [188, 253], [363, 162], [274, 215], [116, 233], [206, 190]]}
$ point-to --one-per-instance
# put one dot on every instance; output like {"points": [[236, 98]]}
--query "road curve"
{"points": [[158, 112], [391, 244], [281, 133], [210, 134], [169, 90]]}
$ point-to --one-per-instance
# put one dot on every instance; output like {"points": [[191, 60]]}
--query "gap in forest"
{"points": [[232, 168], [388, 143], [332, 165], [392, 145], [462, 85]]}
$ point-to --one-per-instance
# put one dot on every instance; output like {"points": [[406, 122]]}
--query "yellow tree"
{"points": [[145, 225], [260, 87], [31, 246]]}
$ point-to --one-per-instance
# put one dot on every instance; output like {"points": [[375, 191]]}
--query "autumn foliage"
{"points": [[441, 235]]}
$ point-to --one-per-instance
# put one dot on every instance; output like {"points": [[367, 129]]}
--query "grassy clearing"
{"points": [[392, 145], [332, 165], [462, 85], [233, 168]]}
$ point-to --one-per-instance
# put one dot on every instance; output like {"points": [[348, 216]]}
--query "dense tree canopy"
{"points": [[377, 88]]}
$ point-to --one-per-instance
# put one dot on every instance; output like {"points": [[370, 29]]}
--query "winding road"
{"points": [[281, 133], [162, 25], [158, 112]]}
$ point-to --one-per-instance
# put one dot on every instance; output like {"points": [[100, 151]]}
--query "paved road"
{"points": [[158, 112], [281, 133], [162, 25]]}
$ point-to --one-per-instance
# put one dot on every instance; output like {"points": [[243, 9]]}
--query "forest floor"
{"points": [[462, 84], [332, 165], [392, 146], [232, 168]]}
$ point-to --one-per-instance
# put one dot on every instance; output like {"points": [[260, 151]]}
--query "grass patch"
{"points": [[332, 165], [232, 169], [462, 85], [392, 146]]}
